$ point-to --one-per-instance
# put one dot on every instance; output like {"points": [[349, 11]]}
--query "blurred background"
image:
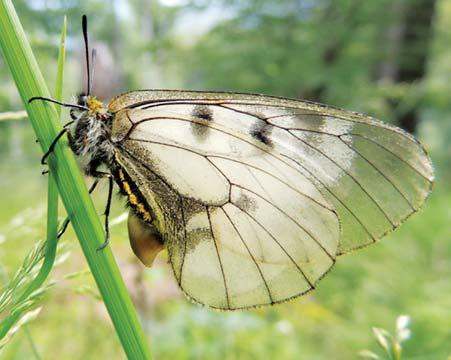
{"points": [[388, 58]]}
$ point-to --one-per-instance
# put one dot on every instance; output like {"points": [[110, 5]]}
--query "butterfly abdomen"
{"points": [[134, 197]]}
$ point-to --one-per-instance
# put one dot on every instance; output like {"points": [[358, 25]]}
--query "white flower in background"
{"points": [[284, 327], [402, 328]]}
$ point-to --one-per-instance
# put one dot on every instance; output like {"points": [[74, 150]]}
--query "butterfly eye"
{"points": [[82, 99]]}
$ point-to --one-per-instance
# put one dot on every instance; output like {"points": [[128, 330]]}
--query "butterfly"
{"points": [[253, 196]]}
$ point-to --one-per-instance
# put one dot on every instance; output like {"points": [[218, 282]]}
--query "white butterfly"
{"points": [[255, 196]]}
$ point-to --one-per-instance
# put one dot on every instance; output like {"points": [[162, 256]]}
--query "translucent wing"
{"points": [[250, 190]]}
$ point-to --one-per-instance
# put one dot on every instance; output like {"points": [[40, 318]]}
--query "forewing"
{"points": [[269, 177], [374, 174]]}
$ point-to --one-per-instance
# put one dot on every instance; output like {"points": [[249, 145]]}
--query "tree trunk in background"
{"points": [[406, 48]]}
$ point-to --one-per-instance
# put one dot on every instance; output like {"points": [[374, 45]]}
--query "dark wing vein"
{"points": [[259, 183], [398, 190], [250, 254], [393, 153], [348, 174], [290, 217], [276, 241], [365, 158], [239, 162], [357, 135], [334, 195], [219, 257], [185, 239], [212, 164]]}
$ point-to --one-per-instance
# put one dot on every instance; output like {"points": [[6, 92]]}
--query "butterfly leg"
{"points": [[54, 142], [66, 221], [73, 114], [107, 212], [43, 172]]}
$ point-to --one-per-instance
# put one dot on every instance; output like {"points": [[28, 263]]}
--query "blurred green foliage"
{"points": [[341, 52]]}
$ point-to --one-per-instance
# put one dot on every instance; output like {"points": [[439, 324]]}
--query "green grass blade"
{"points": [[71, 186], [52, 215], [60, 67]]}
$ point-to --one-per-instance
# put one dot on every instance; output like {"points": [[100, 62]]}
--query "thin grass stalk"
{"points": [[52, 211], [71, 186]]}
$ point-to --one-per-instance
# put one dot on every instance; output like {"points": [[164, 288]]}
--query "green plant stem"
{"points": [[71, 186]]}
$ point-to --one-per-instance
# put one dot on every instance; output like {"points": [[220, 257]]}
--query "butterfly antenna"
{"points": [[84, 24], [93, 66], [74, 106]]}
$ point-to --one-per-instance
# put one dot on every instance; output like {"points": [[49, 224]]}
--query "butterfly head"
{"points": [[94, 105]]}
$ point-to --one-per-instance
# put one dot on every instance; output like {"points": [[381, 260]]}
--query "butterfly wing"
{"points": [[251, 190]]}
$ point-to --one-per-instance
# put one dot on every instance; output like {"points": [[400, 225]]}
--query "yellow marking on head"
{"points": [[95, 105]]}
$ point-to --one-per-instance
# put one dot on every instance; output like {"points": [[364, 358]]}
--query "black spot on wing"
{"points": [[201, 112], [261, 131]]}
